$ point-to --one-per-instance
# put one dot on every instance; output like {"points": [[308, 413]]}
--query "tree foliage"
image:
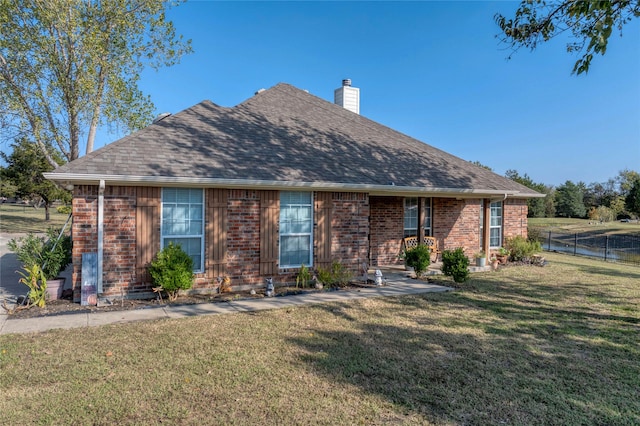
{"points": [[569, 200], [590, 23], [24, 169], [537, 207], [601, 214], [68, 66], [632, 200]]}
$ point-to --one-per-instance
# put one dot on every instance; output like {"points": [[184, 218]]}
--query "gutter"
{"points": [[128, 180]]}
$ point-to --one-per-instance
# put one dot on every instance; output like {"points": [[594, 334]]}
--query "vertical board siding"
{"points": [[324, 208], [269, 214], [147, 230], [216, 232]]}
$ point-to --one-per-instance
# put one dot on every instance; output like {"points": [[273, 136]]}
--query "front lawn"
{"points": [[572, 226], [524, 345], [21, 218]]}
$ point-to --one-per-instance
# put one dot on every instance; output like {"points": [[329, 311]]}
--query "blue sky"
{"points": [[432, 70]]}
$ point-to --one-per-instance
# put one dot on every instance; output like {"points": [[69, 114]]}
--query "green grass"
{"points": [[559, 224], [19, 218], [524, 345]]}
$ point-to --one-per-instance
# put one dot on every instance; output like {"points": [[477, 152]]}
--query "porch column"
{"points": [[421, 218], [486, 225]]}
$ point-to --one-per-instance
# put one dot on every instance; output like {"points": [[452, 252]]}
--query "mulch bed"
{"points": [[67, 306]]}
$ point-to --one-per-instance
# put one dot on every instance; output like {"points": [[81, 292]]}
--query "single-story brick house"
{"points": [[280, 180]]}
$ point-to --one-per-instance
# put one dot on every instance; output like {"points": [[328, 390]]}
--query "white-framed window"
{"points": [[296, 229], [183, 222], [411, 217], [495, 224]]}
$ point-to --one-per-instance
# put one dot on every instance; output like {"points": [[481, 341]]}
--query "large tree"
{"points": [[590, 23], [537, 207], [68, 66], [632, 200], [24, 169], [569, 201]]}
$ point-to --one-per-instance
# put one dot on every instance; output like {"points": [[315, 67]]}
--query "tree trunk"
{"points": [[47, 216], [95, 119]]}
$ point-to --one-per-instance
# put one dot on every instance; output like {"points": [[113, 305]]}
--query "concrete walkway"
{"points": [[398, 283]]}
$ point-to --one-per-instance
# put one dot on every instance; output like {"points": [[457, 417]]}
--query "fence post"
{"points": [[606, 247], [575, 243], [549, 242]]}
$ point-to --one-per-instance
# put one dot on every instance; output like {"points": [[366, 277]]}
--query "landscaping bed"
{"points": [[67, 306]]}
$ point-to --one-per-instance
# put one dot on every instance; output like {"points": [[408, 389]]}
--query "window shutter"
{"points": [[324, 207], [147, 230], [269, 214], [216, 232]]}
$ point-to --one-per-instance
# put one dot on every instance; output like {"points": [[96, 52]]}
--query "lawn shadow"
{"points": [[504, 356]]}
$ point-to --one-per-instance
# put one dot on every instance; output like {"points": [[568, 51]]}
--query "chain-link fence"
{"points": [[611, 248]]}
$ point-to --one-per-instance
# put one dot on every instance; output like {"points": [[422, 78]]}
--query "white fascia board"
{"points": [[383, 190]]}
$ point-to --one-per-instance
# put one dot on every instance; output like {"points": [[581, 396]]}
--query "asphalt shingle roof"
{"points": [[282, 135]]}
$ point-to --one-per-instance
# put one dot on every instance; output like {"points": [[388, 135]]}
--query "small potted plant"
{"points": [[494, 262], [502, 255], [51, 253], [481, 259]]}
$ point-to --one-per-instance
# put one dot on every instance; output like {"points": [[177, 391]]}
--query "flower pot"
{"points": [[502, 258], [494, 264], [55, 287], [481, 262]]}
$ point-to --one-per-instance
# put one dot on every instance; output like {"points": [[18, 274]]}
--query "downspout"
{"points": [[100, 233]]}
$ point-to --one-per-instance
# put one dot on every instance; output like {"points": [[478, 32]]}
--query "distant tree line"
{"points": [[617, 198]]}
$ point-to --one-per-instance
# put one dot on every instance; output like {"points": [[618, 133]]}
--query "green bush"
{"points": [[522, 249], [337, 276], [303, 278], [64, 209], [418, 258], [455, 264], [33, 277], [172, 269], [49, 253], [535, 234]]}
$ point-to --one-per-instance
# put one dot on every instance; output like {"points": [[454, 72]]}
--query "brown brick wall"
{"points": [[119, 234], [515, 217], [84, 230], [387, 227], [456, 223], [353, 217], [243, 237], [350, 229], [119, 255]]}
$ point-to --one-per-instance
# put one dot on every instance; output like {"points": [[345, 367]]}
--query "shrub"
{"points": [[49, 253], [337, 276], [34, 278], [418, 258], [172, 269], [521, 248], [455, 264], [535, 234], [64, 209], [304, 276]]}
